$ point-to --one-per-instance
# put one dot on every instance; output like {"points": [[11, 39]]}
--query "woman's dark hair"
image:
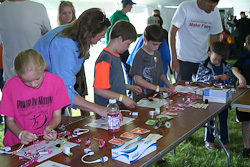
{"points": [[160, 19], [88, 25]]}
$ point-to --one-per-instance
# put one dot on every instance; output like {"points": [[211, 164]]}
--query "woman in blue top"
{"points": [[65, 47]]}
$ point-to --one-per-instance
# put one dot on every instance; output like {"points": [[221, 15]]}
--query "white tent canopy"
{"points": [[142, 9]]}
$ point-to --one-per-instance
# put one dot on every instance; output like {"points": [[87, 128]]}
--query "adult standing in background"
{"points": [[66, 13], [22, 23], [156, 12], [160, 21], [192, 24], [65, 47], [243, 26], [121, 15]]}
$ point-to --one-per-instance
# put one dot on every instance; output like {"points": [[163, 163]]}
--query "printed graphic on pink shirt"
{"points": [[35, 110]]}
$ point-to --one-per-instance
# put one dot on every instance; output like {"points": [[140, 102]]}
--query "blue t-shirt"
{"points": [[61, 54]]}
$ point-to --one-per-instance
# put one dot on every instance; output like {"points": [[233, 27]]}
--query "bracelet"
{"points": [[157, 88], [120, 98], [20, 135]]}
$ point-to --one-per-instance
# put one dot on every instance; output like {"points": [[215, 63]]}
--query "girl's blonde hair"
{"points": [[66, 3], [88, 25], [29, 61], [248, 43]]}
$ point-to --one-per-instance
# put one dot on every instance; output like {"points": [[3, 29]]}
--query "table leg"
{"points": [[216, 135], [174, 153]]}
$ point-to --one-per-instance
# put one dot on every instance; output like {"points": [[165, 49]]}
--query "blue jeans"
{"points": [[209, 137]]}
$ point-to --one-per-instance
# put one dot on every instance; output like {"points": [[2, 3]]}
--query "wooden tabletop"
{"points": [[243, 101], [186, 123]]}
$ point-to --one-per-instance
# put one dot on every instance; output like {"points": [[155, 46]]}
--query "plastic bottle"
{"points": [[113, 116]]}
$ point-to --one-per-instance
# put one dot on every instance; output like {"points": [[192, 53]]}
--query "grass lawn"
{"points": [[192, 152]]}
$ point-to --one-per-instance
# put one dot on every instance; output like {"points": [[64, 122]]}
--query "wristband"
{"points": [[20, 135], [157, 88], [120, 98]]}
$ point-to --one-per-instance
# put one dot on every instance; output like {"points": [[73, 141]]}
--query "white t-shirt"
{"points": [[22, 23], [195, 27]]}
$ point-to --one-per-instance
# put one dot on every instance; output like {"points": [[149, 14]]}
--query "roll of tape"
{"points": [[167, 124]]}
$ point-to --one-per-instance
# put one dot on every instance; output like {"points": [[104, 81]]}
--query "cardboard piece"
{"points": [[217, 95]]}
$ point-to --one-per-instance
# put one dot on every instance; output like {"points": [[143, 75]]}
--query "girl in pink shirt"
{"points": [[32, 100]]}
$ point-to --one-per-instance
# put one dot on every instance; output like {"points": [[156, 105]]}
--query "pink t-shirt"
{"points": [[32, 108]]}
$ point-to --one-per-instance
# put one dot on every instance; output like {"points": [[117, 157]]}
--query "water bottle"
{"points": [[113, 116]]}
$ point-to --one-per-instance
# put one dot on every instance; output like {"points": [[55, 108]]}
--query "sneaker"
{"points": [[209, 145], [245, 152]]}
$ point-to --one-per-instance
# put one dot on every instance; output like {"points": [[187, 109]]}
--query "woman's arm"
{"points": [[82, 104]]}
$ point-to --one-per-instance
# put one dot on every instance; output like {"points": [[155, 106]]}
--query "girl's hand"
{"points": [[49, 134], [128, 102], [27, 137]]}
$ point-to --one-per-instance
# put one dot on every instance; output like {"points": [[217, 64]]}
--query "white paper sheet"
{"points": [[102, 122], [52, 164], [156, 103], [42, 146]]}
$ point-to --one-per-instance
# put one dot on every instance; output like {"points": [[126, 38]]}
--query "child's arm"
{"points": [[242, 79], [204, 74], [134, 88], [54, 122], [223, 77], [141, 82], [227, 76], [25, 136], [165, 81], [107, 94]]}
